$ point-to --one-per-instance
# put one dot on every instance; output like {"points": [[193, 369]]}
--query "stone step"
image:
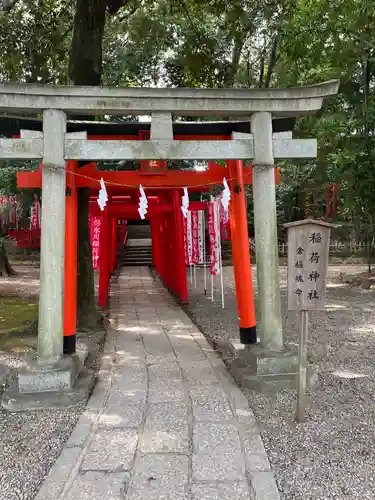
{"points": [[137, 251], [137, 259]]}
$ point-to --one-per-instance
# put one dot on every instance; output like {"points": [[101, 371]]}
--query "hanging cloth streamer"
{"points": [[143, 203], [225, 198], [103, 196], [185, 203]]}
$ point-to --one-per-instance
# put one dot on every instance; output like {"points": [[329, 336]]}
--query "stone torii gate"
{"points": [[53, 372]]}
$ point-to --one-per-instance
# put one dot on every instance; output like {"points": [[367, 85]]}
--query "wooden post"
{"points": [[168, 268], [308, 250], [70, 274], [302, 367], [241, 254], [161, 240], [114, 245], [156, 241]]}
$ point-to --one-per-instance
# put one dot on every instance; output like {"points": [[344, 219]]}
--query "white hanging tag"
{"points": [[185, 203], [102, 197]]}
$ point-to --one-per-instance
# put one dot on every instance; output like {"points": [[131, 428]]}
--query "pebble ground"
{"points": [[332, 455], [29, 445]]}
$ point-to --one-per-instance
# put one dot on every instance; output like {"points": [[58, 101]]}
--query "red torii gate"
{"points": [[165, 189]]}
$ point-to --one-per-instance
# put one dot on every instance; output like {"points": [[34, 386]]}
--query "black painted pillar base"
{"points": [[69, 346], [248, 335]]}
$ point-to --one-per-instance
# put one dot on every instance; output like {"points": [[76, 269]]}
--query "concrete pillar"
{"points": [[267, 259], [51, 319]]}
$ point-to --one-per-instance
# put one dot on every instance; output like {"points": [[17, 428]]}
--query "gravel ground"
{"points": [[332, 455], [29, 442]]}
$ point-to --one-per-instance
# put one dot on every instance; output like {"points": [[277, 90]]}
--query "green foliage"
{"points": [[35, 39], [217, 43]]}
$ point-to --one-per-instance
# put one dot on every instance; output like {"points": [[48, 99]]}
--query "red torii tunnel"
{"points": [[164, 189]]}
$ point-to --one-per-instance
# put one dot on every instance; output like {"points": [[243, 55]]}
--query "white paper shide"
{"points": [[143, 203], [185, 203], [103, 196]]}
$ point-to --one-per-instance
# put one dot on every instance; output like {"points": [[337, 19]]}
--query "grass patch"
{"points": [[18, 322]]}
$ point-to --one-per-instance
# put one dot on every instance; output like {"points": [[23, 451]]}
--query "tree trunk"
{"points": [[86, 56], [86, 69], [5, 268]]}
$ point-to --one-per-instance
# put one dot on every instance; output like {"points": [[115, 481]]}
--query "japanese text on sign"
{"points": [[308, 246], [95, 225]]}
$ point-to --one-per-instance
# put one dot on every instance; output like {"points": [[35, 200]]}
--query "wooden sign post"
{"points": [[308, 251]]}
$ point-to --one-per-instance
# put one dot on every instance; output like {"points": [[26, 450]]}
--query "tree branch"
{"points": [[129, 14], [261, 71], [271, 62], [236, 55], [6, 5], [113, 6]]}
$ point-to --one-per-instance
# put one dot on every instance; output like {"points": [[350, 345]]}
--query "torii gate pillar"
{"points": [[265, 225], [50, 330], [241, 254]]}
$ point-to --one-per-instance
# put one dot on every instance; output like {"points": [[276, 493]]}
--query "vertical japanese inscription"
{"points": [[308, 246]]}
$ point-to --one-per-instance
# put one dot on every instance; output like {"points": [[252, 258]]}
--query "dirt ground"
{"points": [[24, 284]]}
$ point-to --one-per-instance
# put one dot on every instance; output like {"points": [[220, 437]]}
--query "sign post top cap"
{"points": [[304, 222]]}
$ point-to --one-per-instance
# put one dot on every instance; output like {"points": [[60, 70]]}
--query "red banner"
{"points": [[186, 242], [194, 237], [95, 226], [35, 214], [212, 235]]}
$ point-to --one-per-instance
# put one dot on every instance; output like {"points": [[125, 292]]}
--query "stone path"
{"points": [[165, 421]]}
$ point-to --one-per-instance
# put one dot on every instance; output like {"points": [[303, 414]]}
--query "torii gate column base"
{"points": [[51, 379]]}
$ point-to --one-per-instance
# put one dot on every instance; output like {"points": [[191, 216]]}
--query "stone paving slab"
{"points": [[166, 421], [121, 442], [166, 429], [217, 453], [222, 491], [210, 404], [160, 477]]}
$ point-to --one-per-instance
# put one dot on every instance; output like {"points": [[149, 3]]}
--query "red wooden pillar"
{"points": [[70, 264], [241, 254], [166, 268], [155, 243], [163, 247], [105, 255], [167, 247], [114, 245], [180, 276]]}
